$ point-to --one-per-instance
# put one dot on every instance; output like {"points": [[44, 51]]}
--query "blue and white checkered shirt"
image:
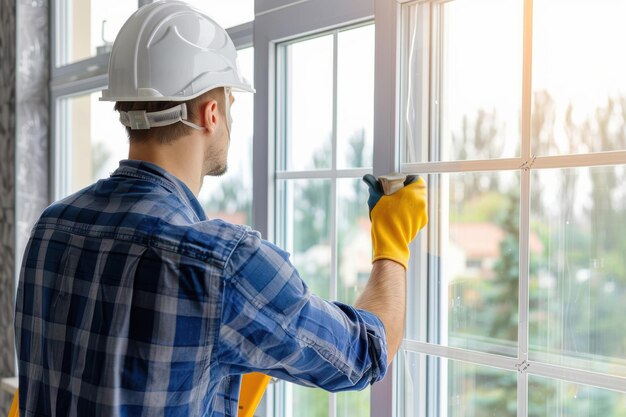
{"points": [[132, 303]]}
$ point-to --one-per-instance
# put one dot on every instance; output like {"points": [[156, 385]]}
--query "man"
{"points": [[132, 303]]}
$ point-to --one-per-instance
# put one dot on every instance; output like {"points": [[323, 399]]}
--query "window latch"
{"points": [[522, 367]]}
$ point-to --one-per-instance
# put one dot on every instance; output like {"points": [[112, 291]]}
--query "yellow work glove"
{"points": [[396, 218]]}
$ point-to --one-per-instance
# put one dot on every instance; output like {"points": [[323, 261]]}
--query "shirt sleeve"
{"points": [[272, 323]]}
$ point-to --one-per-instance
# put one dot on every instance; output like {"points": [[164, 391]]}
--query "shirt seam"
{"points": [[218, 339], [125, 172], [139, 238], [167, 183]]}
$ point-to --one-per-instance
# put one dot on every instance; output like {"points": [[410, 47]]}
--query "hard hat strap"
{"points": [[229, 120], [141, 120]]}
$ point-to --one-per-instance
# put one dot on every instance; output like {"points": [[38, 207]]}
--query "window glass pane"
{"points": [[476, 264], [481, 79], [579, 88], [307, 208], [89, 27], [308, 402], [478, 80], [93, 141], [415, 93], [578, 284], [226, 13], [553, 398], [355, 97], [464, 390], [354, 404], [309, 104], [307, 230], [354, 244], [229, 197]]}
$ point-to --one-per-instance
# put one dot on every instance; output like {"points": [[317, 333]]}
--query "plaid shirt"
{"points": [[131, 303]]}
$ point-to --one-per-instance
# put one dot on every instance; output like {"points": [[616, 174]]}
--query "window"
{"points": [[577, 102], [324, 146], [518, 280], [227, 13], [94, 141], [88, 139], [229, 197], [519, 130], [87, 28]]}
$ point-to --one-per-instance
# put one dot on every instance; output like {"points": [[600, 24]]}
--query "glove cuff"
{"points": [[387, 246]]}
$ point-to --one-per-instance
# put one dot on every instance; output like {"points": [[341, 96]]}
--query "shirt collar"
{"points": [[154, 173]]}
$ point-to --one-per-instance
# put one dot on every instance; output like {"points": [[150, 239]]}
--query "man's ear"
{"points": [[209, 114]]}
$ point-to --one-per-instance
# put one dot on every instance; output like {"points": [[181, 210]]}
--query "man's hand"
{"points": [[396, 218]]}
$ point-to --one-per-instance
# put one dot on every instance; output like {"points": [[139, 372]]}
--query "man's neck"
{"points": [[181, 158]]}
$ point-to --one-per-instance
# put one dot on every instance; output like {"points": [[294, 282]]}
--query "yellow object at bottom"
{"points": [[14, 411], [252, 388]]}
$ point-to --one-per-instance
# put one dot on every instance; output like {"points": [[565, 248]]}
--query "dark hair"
{"points": [[169, 133]]}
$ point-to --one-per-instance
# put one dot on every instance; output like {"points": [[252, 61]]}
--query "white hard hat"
{"points": [[170, 51]]}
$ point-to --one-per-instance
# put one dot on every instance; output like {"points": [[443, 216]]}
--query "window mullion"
{"points": [[578, 376], [333, 205], [462, 355], [332, 401], [322, 173], [386, 145], [527, 73], [523, 296], [580, 160], [524, 227], [386, 140], [333, 239], [508, 164], [437, 316], [462, 166]]}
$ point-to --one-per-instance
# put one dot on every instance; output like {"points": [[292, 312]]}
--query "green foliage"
{"points": [[556, 398], [480, 208], [581, 313], [231, 197], [309, 402], [311, 214], [506, 269], [312, 204]]}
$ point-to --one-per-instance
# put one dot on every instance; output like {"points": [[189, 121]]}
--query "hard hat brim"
{"points": [[140, 98]]}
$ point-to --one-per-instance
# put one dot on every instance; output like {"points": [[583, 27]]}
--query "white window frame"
{"points": [[332, 174], [524, 164], [277, 21]]}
